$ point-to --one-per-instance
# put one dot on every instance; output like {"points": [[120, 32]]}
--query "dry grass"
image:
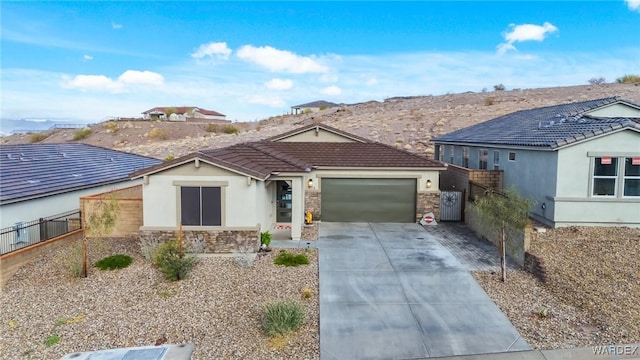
{"points": [[159, 133]]}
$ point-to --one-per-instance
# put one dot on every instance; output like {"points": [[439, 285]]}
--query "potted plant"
{"points": [[265, 241]]}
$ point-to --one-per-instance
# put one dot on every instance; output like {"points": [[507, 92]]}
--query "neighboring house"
{"points": [[580, 162], [225, 196], [41, 180], [312, 107], [182, 113]]}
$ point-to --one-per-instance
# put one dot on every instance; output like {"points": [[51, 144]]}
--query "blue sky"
{"points": [[87, 61]]}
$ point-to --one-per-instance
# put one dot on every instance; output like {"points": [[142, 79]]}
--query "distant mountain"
{"points": [[9, 125]]}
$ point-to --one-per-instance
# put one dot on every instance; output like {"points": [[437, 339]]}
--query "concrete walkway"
{"points": [[392, 291]]}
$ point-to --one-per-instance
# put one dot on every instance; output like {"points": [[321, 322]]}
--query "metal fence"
{"points": [[23, 234]]}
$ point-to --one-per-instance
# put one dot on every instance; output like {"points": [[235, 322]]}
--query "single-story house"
{"points": [[42, 180], [182, 113], [580, 161], [226, 196], [312, 106]]}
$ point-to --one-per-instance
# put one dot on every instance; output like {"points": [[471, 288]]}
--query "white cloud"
{"points": [[212, 49], [280, 60], [279, 84], [128, 79], [87, 57], [116, 26], [332, 90], [633, 4], [371, 81], [271, 101], [525, 32]]}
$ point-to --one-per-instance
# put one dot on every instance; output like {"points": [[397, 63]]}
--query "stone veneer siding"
{"points": [[428, 202], [208, 241], [312, 202]]}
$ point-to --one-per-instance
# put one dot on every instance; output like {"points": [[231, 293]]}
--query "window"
{"points": [[200, 206], [496, 160], [440, 154], [605, 176], [451, 150], [512, 156], [483, 156], [465, 157], [631, 185]]}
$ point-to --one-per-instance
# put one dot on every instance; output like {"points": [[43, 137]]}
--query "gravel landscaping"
{"points": [[592, 292], [218, 308]]}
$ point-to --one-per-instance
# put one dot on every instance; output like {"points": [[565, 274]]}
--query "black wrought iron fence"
{"points": [[23, 234]]}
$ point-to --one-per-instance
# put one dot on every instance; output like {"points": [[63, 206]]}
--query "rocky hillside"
{"points": [[405, 122]]}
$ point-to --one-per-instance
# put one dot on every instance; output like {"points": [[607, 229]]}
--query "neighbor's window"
{"points": [[483, 156], [605, 176], [440, 154], [201, 206], [512, 156], [496, 160], [451, 150], [631, 176], [465, 157]]}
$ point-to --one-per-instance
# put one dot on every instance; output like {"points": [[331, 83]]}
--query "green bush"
{"points": [[282, 317], [230, 129], [117, 261], [288, 259], [265, 238], [212, 128], [52, 340], [629, 79], [37, 137], [172, 261], [81, 134]]}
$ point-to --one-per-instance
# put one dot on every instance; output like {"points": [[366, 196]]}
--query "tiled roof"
{"points": [[550, 127], [316, 104], [37, 170], [181, 110], [318, 126], [263, 158]]}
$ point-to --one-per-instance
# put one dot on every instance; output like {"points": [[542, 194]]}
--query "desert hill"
{"points": [[405, 122]]}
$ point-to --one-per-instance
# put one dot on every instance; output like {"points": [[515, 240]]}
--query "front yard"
{"points": [[46, 312], [592, 293]]}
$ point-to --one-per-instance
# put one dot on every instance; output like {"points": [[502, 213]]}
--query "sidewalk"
{"points": [[631, 351]]}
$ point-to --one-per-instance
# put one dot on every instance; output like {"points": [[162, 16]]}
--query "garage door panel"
{"points": [[368, 200]]}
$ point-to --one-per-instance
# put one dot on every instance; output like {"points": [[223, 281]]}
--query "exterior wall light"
{"points": [[310, 183], [429, 184]]}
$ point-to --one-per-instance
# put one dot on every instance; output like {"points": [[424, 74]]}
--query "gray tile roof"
{"points": [[546, 127], [37, 170]]}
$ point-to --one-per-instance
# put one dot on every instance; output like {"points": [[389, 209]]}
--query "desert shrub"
{"points": [[81, 134], [73, 260], [169, 157], [244, 256], [112, 126], [230, 129], [498, 87], [117, 261], [265, 238], [52, 340], [597, 81], [282, 317], [172, 261], [149, 247], [37, 137], [306, 293], [289, 259], [159, 133], [629, 79], [214, 128], [323, 108], [490, 100]]}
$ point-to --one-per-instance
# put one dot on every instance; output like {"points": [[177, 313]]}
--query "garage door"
{"points": [[368, 200]]}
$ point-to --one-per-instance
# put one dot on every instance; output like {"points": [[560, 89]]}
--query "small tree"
{"points": [[99, 222], [501, 212]]}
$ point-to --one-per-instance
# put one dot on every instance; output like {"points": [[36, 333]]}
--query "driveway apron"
{"points": [[391, 291]]}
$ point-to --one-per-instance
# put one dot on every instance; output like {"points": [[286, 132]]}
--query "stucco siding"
{"points": [[52, 205], [594, 213], [616, 110], [421, 176]]}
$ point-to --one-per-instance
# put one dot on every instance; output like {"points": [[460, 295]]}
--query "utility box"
{"points": [[162, 352]]}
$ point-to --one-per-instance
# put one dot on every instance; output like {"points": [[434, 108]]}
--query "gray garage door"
{"points": [[368, 200]]}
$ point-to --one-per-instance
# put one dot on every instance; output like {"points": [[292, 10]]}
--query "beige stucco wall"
{"points": [[421, 176]]}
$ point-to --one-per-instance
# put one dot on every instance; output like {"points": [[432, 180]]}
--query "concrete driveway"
{"points": [[391, 291]]}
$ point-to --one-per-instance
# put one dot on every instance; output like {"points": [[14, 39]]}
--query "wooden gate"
{"points": [[451, 205]]}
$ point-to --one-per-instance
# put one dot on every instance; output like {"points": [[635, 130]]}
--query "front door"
{"points": [[283, 202]]}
